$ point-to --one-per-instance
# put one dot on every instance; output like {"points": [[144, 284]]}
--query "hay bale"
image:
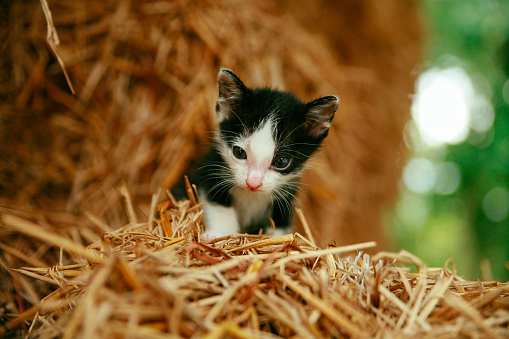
{"points": [[144, 73], [157, 278]]}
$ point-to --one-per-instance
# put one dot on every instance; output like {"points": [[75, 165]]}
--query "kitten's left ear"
{"points": [[231, 90], [319, 115]]}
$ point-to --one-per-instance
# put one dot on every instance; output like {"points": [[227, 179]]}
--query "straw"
{"points": [[152, 284]]}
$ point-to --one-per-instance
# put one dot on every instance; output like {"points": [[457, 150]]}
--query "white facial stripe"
{"points": [[259, 155], [262, 146]]}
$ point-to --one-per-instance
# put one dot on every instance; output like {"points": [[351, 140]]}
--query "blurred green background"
{"points": [[454, 192]]}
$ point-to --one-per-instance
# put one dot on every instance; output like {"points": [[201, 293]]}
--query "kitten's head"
{"points": [[265, 136]]}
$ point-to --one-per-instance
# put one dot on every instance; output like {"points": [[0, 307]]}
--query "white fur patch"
{"points": [[220, 220], [251, 206], [262, 145], [280, 231]]}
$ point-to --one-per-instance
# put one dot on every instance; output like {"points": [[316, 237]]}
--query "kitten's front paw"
{"points": [[220, 221], [280, 231]]}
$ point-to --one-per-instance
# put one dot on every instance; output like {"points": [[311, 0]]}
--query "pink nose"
{"points": [[253, 186]]}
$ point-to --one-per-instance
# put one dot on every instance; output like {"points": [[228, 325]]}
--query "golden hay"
{"points": [[158, 277], [145, 71], [145, 77]]}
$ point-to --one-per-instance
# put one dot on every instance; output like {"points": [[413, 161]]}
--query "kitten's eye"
{"points": [[281, 163], [239, 153]]}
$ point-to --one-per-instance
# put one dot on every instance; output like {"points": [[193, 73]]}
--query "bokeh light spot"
{"points": [[496, 204], [419, 175], [441, 105], [448, 178]]}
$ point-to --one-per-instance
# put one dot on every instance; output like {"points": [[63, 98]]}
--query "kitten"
{"points": [[251, 172]]}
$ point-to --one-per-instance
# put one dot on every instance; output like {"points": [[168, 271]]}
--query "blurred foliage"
{"points": [[472, 34]]}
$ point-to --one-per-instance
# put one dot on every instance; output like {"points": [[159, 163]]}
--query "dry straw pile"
{"points": [[158, 277], [144, 77], [144, 73]]}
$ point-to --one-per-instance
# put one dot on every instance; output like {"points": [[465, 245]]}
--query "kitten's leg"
{"points": [[219, 220], [282, 218], [280, 231]]}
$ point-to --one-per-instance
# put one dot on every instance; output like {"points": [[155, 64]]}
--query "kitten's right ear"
{"points": [[231, 90], [319, 115]]}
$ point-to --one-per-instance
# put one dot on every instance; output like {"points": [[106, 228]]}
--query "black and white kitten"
{"points": [[251, 172]]}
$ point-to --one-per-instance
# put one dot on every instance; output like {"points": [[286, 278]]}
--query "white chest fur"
{"points": [[251, 206], [247, 208]]}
